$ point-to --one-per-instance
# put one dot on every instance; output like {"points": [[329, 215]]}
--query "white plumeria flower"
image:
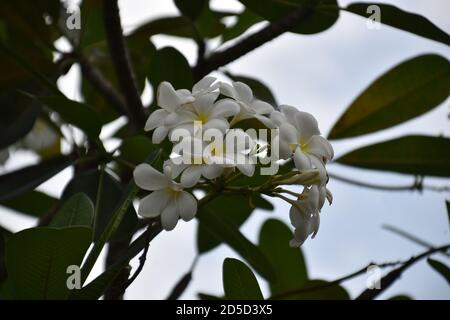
{"points": [[168, 198], [249, 106], [305, 213], [300, 136], [40, 137], [170, 101]]}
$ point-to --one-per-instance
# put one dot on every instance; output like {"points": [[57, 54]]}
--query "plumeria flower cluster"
{"points": [[221, 108]]}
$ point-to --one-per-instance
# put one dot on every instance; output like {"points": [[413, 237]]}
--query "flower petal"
{"points": [[167, 97], [307, 125], [247, 169], [156, 119], [218, 124], [301, 160], [148, 178], [152, 205], [204, 104], [191, 175], [203, 84], [244, 93], [320, 147], [187, 205], [159, 134], [225, 108], [261, 107], [212, 171], [170, 215]]}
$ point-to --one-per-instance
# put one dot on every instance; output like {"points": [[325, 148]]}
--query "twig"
{"points": [[251, 42], [416, 185], [392, 276], [410, 237], [122, 65]]}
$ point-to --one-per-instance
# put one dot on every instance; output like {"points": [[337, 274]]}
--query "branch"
{"points": [[122, 64], [416, 185], [250, 43], [392, 276], [102, 85]]}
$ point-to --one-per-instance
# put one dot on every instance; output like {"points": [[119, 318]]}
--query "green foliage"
{"points": [[136, 149], [403, 20], [404, 92], [37, 261], [78, 210], [23, 180], [33, 203], [239, 282], [321, 290], [418, 155], [170, 65], [323, 14], [219, 226], [15, 121], [441, 268], [288, 263], [245, 20], [192, 8]]}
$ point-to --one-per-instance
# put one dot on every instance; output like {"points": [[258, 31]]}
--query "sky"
{"points": [[320, 74]]}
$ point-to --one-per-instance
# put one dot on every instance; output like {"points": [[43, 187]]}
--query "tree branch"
{"points": [[250, 43], [122, 65]]}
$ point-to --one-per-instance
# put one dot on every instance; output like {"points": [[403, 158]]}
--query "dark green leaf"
{"points": [[136, 149], [324, 13], [207, 240], [78, 210], [418, 155], [401, 297], [73, 112], [37, 260], [92, 26], [321, 290], [441, 268], [207, 296], [87, 183], [244, 21], [287, 262], [173, 26], [403, 20], [260, 90], [26, 179], [239, 282], [404, 92], [34, 203], [168, 64], [15, 122], [224, 230], [192, 8]]}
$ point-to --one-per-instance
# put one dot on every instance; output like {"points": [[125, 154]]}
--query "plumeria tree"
{"points": [[210, 148]]}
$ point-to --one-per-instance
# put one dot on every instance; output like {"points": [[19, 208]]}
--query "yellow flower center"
{"points": [[202, 117]]}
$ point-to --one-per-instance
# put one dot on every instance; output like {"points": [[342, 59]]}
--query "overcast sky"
{"points": [[320, 74]]}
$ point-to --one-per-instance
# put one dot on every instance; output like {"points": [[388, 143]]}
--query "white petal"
{"points": [[148, 178], [307, 125], [191, 175], [225, 108], [247, 169], [170, 215], [204, 104], [159, 134], [301, 160], [175, 168], [212, 171], [320, 147], [261, 107], [302, 229], [265, 121], [244, 93], [313, 199], [314, 224], [329, 196], [152, 205], [227, 90], [187, 205], [156, 119], [318, 164], [278, 118], [218, 124], [203, 84], [167, 97], [288, 134], [289, 113]]}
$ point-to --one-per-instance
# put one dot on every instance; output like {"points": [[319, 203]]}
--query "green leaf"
{"points": [[77, 211], [136, 149], [441, 268], [260, 90], [400, 297], [324, 13], [403, 20], [207, 240], [219, 225], [245, 20], [172, 26], [22, 180], [15, 122], [321, 290], [288, 263], [418, 155], [410, 89], [87, 182], [168, 64], [192, 8], [207, 296], [33, 203], [73, 112], [92, 26], [239, 282], [37, 260]]}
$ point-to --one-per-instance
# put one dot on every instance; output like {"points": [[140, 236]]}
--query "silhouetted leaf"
{"points": [[78, 210], [287, 262], [192, 8], [403, 20], [418, 155], [239, 282], [37, 261], [408, 90], [320, 290], [245, 20], [324, 13], [34, 203], [441, 268]]}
